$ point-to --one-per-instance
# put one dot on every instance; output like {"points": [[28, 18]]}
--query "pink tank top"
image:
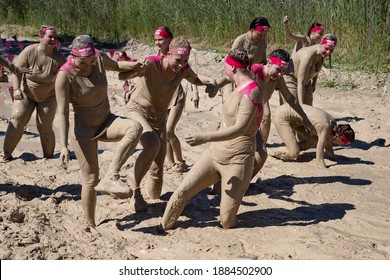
{"points": [[247, 91]]}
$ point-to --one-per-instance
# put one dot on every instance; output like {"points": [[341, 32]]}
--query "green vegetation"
{"points": [[362, 26]]}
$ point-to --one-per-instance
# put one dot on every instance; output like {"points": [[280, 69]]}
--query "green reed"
{"points": [[362, 26]]}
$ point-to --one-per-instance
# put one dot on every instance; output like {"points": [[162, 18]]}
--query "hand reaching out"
{"points": [[18, 70], [212, 89], [309, 127], [285, 20], [195, 139]]}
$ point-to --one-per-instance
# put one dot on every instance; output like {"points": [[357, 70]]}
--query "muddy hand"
{"points": [[19, 70], [212, 89], [309, 127], [285, 20], [18, 94], [194, 140]]}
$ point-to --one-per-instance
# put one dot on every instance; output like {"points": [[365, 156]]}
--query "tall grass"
{"points": [[362, 26]]}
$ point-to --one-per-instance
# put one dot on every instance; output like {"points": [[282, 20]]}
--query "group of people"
{"points": [[45, 80]]}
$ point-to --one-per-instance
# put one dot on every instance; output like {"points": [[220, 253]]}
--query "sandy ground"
{"points": [[292, 210]]}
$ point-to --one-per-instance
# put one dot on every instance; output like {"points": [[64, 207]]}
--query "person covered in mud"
{"points": [[314, 35], [269, 77], [128, 85], [82, 81], [288, 123], [305, 66], [174, 157], [35, 90], [254, 41], [230, 156], [160, 77]]}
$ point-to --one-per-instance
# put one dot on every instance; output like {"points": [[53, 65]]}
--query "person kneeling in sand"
{"points": [[82, 81], [288, 122], [230, 157]]}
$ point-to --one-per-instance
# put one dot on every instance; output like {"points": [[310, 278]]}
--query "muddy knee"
{"points": [[151, 142], [91, 181], [134, 129], [132, 132], [292, 153]]}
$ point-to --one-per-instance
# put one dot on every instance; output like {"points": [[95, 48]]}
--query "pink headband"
{"points": [[277, 61], [163, 33], [316, 28], [344, 139], [83, 52], [42, 32], [184, 51], [262, 28], [234, 63], [328, 42], [123, 56]]}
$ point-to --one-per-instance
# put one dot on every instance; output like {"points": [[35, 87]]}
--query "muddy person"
{"points": [[174, 157], [305, 66], [160, 77], [269, 77], [82, 81], [255, 41], [230, 157], [314, 35], [128, 85], [34, 90], [288, 123]]}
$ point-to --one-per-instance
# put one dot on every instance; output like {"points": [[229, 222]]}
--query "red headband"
{"points": [[328, 42], [234, 63], [262, 28], [162, 33], [184, 51], [42, 32], [277, 61], [121, 55], [83, 52], [316, 28], [344, 139]]}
